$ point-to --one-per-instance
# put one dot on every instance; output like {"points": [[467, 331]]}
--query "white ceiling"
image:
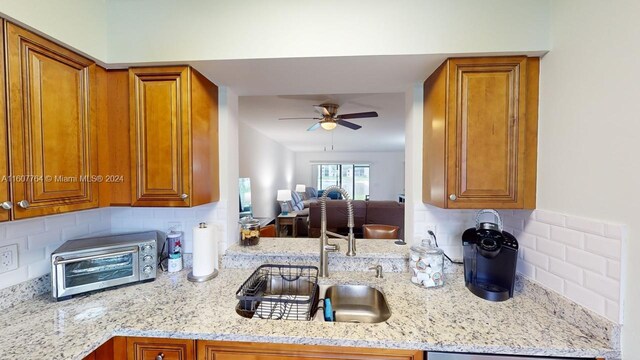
{"points": [[384, 133]]}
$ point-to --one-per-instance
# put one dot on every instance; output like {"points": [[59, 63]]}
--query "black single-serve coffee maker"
{"points": [[490, 258]]}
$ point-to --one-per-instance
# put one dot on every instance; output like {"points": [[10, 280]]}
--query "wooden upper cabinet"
{"points": [[174, 137], [480, 133], [223, 350], [5, 195], [52, 124]]}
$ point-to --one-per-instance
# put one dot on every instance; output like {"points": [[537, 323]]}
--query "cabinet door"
{"points": [[160, 135], [221, 350], [486, 132], [159, 349], [5, 196], [51, 115]]}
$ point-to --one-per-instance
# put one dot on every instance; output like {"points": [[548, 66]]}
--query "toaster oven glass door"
{"points": [[96, 270]]}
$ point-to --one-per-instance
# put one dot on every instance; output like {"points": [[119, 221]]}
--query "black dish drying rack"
{"points": [[288, 292]]}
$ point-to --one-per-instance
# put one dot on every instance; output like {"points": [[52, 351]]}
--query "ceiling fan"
{"points": [[330, 118]]}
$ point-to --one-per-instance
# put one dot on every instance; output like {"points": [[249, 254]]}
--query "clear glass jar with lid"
{"points": [[249, 231], [426, 264]]}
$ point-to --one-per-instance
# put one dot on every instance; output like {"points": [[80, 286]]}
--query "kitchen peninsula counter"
{"points": [[446, 319]]}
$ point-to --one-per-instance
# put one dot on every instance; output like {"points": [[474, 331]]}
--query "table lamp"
{"points": [[301, 189], [284, 196]]}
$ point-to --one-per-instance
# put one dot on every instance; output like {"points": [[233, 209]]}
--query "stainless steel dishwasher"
{"points": [[457, 356]]}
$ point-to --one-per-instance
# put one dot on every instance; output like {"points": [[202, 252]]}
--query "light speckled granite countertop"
{"points": [[445, 319], [536, 321]]}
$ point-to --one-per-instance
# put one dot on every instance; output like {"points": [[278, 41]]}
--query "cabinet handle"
{"points": [[160, 356], [7, 205], [453, 197], [184, 196], [23, 204]]}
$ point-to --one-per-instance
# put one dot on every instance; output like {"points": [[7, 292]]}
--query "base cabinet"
{"points": [[160, 349], [223, 350], [140, 348]]}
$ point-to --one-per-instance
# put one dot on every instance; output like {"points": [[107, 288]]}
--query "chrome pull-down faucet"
{"points": [[325, 246]]}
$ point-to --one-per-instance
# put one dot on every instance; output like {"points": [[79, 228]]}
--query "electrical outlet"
{"points": [[8, 258]]}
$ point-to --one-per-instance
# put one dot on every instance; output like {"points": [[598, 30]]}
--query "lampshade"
{"points": [[328, 125], [301, 188], [284, 195]]}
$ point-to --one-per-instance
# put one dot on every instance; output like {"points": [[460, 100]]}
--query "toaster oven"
{"points": [[84, 265]]}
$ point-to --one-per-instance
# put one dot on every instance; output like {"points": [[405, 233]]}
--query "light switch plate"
{"points": [[8, 258]]}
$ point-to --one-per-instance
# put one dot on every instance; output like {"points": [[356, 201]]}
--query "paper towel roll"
{"points": [[205, 251]]}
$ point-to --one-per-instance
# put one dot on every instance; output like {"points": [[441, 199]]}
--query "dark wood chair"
{"points": [[380, 231]]}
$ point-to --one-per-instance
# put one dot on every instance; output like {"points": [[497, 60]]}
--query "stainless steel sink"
{"points": [[357, 304]]}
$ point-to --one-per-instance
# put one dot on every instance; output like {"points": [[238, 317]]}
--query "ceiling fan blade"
{"points": [[369, 114], [298, 118], [321, 110], [314, 126], [348, 124]]}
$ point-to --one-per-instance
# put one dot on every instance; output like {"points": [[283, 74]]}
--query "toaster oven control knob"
{"points": [[23, 204], [147, 248], [147, 269], [147, 258], [453, 197], [7, 205]]}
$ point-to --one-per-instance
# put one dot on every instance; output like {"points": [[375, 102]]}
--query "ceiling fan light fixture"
{"points": [[328, 125]]}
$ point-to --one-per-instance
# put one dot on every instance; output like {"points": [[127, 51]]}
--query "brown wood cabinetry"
{"points": [[52, 124], [5, 195], [480, 133], [174, 137], [223, 350], [164, 349]]}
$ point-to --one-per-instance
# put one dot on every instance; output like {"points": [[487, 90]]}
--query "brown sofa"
{"points": [[364, 212]]}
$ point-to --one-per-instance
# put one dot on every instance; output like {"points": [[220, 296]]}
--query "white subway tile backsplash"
{"points": [[586, 260], [13, 277], [513, 222], [526, 240], [30, 256], [550, 248], [535, 258], [526, 269], [613, 269], [75, 232], [549, 280], [59, 221], [612, 310], [41, 240], [576, 257], [24, 227], [569, 237], [566, 271], [585, 297], [585, 225], [604, 286], [537, 228], [39, 268], [610, 248], [614, 231], [550, 218]]}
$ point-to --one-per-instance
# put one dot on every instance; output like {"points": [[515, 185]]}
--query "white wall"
{"points": [[386, 171], [80, 24], [169, 30], [269, 165], [589, 126]]}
